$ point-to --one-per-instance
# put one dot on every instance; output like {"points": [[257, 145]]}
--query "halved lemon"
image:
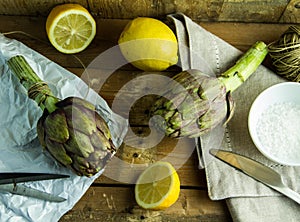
{"points": [[157, 187], [70, 28]]}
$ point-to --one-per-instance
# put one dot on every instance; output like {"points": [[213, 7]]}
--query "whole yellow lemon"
{"points": [[149, 44]]}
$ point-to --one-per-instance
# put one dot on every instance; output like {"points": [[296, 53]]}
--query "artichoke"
{"points": [[70, 129], [194, 103]]}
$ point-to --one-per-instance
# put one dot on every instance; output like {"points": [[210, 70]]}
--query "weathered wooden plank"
{"points": [[252, 10], [189, 176], [291, 13], [118, 204], [129, 9], [240, 35], [208, 10], [139, 147], [137, 152], [32, 7], [31, 31]]}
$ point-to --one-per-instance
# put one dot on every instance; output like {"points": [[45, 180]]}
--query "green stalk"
{"points": [[37, 89], [244, 67]]}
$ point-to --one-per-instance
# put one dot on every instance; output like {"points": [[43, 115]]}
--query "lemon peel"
{"points": [[149, 44]]}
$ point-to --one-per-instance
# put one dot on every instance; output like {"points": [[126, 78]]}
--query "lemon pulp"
{"points": [[158, 187], [70, 28]]}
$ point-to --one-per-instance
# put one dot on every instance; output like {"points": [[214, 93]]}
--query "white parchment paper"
{"points": [[19, 147]]}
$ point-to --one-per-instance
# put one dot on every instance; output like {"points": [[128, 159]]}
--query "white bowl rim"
{"points": [[251, 127]]}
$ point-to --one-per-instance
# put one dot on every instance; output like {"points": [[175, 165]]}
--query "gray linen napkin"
{"points": [[247, 199]]}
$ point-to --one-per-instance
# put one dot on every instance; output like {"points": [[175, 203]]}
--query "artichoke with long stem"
{"points": [[70, 129], [193, 103]]}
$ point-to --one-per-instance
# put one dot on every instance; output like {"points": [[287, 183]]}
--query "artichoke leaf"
{"points": [[230, 107], [41, 130], [99, 140], [58, 152], [81, 120], [102, 126], [77, 102], [80, 161], [56, 126], [81, 170], [79, 144], [98, 155]]}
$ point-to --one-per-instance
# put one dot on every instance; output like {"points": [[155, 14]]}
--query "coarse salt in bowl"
{"points": [[274, 123]]}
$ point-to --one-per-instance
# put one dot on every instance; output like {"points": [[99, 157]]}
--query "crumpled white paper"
{"points": [[19, 147]]}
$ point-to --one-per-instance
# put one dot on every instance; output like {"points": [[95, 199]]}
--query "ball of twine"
{"points": [[285, 54]]}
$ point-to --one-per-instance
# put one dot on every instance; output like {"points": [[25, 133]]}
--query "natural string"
{"points": [[47, 43], [285, 54], [41, 90]]}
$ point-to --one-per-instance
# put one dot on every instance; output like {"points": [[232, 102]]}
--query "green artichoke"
{"points": [[70, 129], [193, 103]]}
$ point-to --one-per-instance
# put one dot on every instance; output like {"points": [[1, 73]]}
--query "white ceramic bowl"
{"points": [[273, 134]]}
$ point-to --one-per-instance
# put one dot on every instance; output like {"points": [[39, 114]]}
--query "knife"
{"points": [[30, 192], [16, 177], [256, 170], [201, 164], [9, 182]]}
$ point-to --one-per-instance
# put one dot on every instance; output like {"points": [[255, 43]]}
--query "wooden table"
{"points": [[108, 199]]}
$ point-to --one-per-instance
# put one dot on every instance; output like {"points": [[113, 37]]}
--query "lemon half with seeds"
{"points": [[70, 28], [149, 44], [157, 187]]}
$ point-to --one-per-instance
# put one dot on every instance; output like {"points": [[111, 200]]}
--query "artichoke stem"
{"points": [[244, 67], [37, 90]]}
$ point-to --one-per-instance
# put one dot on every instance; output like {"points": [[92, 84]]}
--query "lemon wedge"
{"points": [[70, 28], [157, 187]]}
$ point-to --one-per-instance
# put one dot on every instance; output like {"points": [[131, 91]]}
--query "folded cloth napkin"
{"points": [[248, 200], [19, 147]]}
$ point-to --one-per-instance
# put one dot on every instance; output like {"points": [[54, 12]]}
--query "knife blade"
{"points": [[30, 192], [201, 164], [257, 171], [15, 177]]}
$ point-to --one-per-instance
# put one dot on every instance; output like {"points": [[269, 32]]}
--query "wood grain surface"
{"points": [[111, 197], [262, 11]]}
